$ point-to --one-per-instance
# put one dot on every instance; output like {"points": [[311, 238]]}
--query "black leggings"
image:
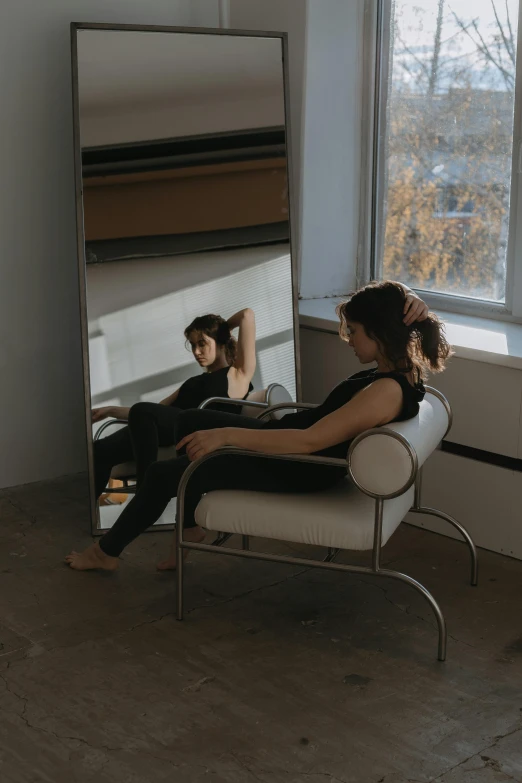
{"points": [[151, 425], [222, 472]]}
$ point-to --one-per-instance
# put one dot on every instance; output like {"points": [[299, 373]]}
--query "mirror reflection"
{"points": [[189, 286]]}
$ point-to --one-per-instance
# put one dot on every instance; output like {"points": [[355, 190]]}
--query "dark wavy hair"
{"points": [[216, 327], [421, 347]]}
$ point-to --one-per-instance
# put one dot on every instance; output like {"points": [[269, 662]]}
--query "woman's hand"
{"points": [[415, 309], [99, 414], [203, 442], [236, 320]]}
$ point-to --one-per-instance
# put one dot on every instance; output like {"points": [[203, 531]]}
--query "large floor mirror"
{"points": [[182, 182]]}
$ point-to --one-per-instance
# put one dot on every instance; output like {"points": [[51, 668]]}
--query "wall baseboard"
{"points": [[479, 455]]}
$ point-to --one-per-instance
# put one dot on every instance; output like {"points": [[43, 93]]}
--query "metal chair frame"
{"points": [[376, 569]]}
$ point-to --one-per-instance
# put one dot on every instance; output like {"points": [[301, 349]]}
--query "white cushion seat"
{"points": [[341, 517]]}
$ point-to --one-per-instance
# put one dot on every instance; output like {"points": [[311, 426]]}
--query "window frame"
{"points": [[377, 49]]}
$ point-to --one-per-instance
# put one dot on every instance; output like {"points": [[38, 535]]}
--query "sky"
{"points": [[416, 22], [465, 9]]}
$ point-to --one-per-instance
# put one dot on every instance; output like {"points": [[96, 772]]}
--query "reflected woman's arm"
{"points": [[110, 412], [171, 399], [245, 362]]}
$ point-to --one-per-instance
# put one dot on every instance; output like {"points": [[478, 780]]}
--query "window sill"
{"points": [[479, 339]]}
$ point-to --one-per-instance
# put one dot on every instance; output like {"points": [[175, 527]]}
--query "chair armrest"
{"points": [[233, 400], [281, 406], [107, 424], [311, 458], [382, 463], [232, 450]]}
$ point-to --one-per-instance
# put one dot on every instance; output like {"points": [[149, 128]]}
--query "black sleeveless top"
{"points": [[343, 393], [209, 384]]}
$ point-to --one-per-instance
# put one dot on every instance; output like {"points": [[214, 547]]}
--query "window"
{"points": [[443, 179]]}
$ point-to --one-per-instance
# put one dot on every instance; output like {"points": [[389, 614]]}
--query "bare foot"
{"points": [[194, 534], [91, 559]]}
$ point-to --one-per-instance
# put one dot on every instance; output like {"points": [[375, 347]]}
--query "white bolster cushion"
{"points": [[381, 464], [276, 395]]}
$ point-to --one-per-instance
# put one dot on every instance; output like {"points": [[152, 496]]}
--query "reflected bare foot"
{"points": [[194, 534], [92, 558]]}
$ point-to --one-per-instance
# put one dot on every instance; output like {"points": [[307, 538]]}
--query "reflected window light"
{"points": [[145, 340], [276, 365]]}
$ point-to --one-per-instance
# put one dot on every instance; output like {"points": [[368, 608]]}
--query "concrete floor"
{"points": [[277, 674]]}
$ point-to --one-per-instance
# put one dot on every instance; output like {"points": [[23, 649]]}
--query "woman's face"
{"points": [[365, 348], [204, 348]]}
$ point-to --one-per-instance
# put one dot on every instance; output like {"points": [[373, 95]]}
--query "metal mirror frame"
{"points": [[82, 265]]}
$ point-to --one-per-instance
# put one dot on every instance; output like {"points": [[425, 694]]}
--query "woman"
{"points": [[229, 368], [374, 325]]}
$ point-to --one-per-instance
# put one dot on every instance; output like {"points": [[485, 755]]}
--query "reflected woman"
{"points": [[229, 366], [386, 325]]}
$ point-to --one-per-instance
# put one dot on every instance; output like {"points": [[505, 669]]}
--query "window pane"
{"points": [[448, 149]]}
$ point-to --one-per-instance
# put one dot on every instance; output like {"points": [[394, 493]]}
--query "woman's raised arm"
{"points": [[245, 361]]}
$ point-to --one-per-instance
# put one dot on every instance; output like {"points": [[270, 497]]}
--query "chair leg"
{"points": [[434, 512], [331, 554], [179, 571], [441, 622], [462, 530], [245, 541], [221, 539]]}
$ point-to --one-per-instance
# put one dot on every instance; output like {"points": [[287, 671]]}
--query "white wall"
{"points": [[41, 389], [325, 41], [136, 86], [288, 16], [331, 147], [202, 13], [215, 115]]}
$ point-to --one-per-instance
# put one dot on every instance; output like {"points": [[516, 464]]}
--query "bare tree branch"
{"points": [[502, 33], [484, 49], [412, 54], [511, 36], [434, 70]]}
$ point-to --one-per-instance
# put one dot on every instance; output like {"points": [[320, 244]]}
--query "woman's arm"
{"points": [[415, 308], [171, 399], [121, 413], [245, 362], [110, 412], [374, 406]]}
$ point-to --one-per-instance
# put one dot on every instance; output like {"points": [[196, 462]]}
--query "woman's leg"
{"points": [[252, 473], [151, 425], [108, 452], [159, 486]]}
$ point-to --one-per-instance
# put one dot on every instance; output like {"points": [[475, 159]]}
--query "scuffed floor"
{"points": [[277, 673]]}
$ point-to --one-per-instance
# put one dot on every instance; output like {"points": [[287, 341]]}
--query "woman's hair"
{"points": [[216, 327], [379, 307]]}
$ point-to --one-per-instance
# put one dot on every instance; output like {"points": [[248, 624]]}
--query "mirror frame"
{"points": [[82, 265]]}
